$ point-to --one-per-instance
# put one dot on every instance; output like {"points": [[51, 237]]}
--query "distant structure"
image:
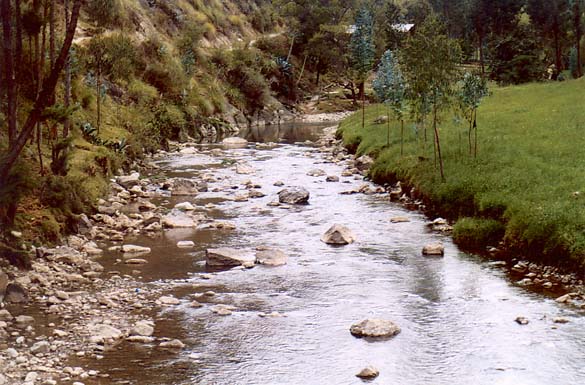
{"points": [[404, 28]]}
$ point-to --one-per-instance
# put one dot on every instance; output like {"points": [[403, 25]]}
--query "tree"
{"points": [[577, 9], [392, 16], [473, 90], [43, 99], [363, 50], [99, 61], [431, 62], [390, 88], [549, 17]]}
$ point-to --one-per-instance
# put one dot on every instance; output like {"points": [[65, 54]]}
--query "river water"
{"points": [[456, 313]]}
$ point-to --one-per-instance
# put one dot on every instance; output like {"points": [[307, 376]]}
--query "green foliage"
{"points": [[476, 233], [20, 183], [389, 84], [104, 13], [362, 43], [65, 193], [168, 121], [516, 58]]}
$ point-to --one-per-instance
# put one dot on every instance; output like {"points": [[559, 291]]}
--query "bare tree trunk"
{"points": [[578, 34], [9, 77], [67, 100], [302, 70], [99, 97], [52, 32], [292, 43], [475, 129], [364, 108], [388, 126], [42, 101], [401, 137], [438, 143]]}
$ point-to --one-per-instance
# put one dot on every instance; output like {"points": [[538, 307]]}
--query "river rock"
{"points": [[168, 300], [368, 373], [522, 320], [173, 344], [185, 244], [316, 172], [3, 285], [185, 206], [136, 261], [381, 119], [142, 328], [15, 293], [244, 169], [40, 347], [228, 257], [271, 257], [128, 181], [223, 309], [374, 328], [234, 142], [83, 225], [434, 249], [399, 219], [178, 219], [5, 315], [363, 163], [101, 333], [134, 249], [332, 178], [278, 183], [294, 196], [183, 186], [338, 235]]}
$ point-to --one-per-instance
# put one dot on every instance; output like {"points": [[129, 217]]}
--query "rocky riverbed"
{"points": [[112, 289]]}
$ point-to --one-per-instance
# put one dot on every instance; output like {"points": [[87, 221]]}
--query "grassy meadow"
{"points": [[527, 184]]}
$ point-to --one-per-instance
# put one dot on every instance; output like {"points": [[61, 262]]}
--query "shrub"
{"points": [[142, 93], [476, 233]]}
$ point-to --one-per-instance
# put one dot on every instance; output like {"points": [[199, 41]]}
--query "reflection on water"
{"points": [[456, 313]]}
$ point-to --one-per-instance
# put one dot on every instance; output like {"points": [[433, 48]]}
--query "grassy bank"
{"points": [[527, 184]]}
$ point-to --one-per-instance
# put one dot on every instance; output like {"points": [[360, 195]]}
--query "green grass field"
{"points": [[529, 174]]}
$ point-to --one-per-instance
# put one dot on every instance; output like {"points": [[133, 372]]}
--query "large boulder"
{"points": [[128, 181], [374, 327], [271, 257], [178, 219], [294, 196], [363, 163], [244, 169], [102, 333], [134, 249], [3, 285], [228, 257], [183, 186], [338, 235], [234, 142], [15, 294], [368, 372], [434, 249]]}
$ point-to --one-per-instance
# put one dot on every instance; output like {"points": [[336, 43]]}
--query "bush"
{"points": [[142, 93], [66, 194], [476, 233]]}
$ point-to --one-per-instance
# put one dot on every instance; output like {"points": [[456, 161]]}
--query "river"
{"points": [[456, 313]]}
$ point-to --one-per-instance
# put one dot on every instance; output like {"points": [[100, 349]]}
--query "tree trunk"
{"points": [[302, 70], [401, 137], [578, 34], [98, 83], [469, 133], [52, 32], [9, 78], [558, 52], [41, 102], [364, 109], [438, 144], [292, 43], [67, 100], [388, 126], [475, 129]]}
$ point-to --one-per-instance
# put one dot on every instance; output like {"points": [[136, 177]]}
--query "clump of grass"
{"points": [[475, 233], [527, 174]]}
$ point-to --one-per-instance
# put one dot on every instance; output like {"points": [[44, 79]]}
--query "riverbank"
{"points": [[522, 192]]}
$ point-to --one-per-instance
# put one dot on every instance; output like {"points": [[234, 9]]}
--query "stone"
{"points": [[234, 142], [271, 257], [15, 293], [399, 219], [40, 347], [564, 298], [184, 187], [222, 309], [185, 206], [135, 261], [3, 284], [227, 257], [374, 328], [381, 119], [560, 320], [168, 300], [24, 320], [434, 249], [244, 169], [178, 219], [101, 333], [294, 196], [173, 344], [31, 377], [316, 172], [338, 235], [185, 244], [142, 328], [368, 372], [62, 295], [363, 163], [522, 320], [134, 249], [128, 181], [278, 183], [332, 178], [84, 225], [140, 339], [256, 194], [5, 315]]}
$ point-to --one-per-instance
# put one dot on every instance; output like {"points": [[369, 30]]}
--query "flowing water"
{"points": [[456, 313]]}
